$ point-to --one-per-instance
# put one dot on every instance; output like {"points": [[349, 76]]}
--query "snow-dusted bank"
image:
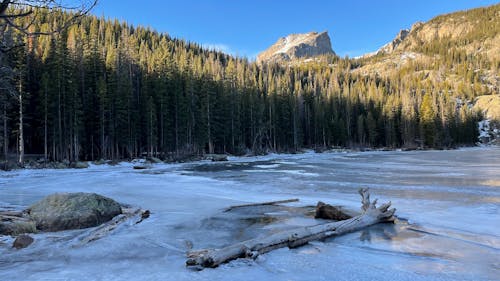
{"points": [[451, 198]]}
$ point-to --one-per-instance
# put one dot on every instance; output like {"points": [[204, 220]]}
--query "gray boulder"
{"points": [[63, 211]]}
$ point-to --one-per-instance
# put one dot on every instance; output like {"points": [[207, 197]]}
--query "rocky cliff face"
{"points": [[474, 31], [391, 46], [297, 46]]}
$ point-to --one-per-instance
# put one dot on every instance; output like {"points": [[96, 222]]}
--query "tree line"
{"points": [[105, 89]]}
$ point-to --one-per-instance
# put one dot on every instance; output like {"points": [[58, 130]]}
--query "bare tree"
{"points": [[25, 8], [9, 11]]}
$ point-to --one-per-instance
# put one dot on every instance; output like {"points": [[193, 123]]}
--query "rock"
{"points": [[489, 106], [112, 162], [62, 211], [79, 165], [59, 165], [22, 241], [141, 167], [391, 46], [329, 212], [219, 157], [99, 162], [297, 46], [8, 165], [145, 214], [154, 160]]}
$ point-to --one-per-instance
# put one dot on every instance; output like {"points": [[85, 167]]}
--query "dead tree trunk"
{"points": [[370, 215]]}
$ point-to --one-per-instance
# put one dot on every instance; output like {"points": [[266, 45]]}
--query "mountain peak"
{"points": [[297, 46]]}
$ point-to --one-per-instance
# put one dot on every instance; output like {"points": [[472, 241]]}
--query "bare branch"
{"points": [[51, 5], [20, 15]]}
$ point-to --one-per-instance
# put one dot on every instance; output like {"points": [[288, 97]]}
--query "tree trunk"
{"points": [[293, 238], [5, 135], [45, 148], [21, 130]]}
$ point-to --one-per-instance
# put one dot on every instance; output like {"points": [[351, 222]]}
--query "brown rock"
{"points": [[22, 241], [329, 212]]}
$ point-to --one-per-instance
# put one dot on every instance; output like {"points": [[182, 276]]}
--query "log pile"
{"points": [[369, 215]]}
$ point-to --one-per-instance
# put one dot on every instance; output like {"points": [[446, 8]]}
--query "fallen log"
{"points": [[370, 215], [18, 214], [16, 222], [262, 204], [128, 213]]}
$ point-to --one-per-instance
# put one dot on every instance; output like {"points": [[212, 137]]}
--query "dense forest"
{"points": [[105, 89]]}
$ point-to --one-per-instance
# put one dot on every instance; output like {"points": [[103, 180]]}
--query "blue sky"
{"points": [[245, 28]]}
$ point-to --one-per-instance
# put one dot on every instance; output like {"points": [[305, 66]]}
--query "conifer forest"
{"points": [[103, 89]]}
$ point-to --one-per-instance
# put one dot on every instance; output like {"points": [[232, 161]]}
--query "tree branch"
{"points": [[51, 5]]}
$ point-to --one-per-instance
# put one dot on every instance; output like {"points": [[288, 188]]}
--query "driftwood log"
{"points": [[370, 215], [262, 204], [15, 223], [128, 213]]}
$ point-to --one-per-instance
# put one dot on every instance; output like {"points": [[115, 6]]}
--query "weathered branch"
{"points": [[293, 238], [262, 204], [19, 15]]}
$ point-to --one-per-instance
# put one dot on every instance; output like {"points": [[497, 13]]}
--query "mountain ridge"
{"points": [[297, 46]]}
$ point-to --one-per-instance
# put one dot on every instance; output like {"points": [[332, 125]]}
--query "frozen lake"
{"points": [[451, 200]]}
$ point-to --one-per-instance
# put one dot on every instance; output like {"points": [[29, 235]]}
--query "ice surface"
{"points": [[451, 200]]}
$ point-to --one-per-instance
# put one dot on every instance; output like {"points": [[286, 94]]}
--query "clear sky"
{"points": [[245, 28]]}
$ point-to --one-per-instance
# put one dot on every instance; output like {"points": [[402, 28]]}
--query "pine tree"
{"points": [[427, 121]]}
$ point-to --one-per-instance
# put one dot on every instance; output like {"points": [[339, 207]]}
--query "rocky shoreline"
{"points": [[147, 162]]}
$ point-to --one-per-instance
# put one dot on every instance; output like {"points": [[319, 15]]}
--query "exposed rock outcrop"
{"points": [[391, 46], [297, 46], [489, 128]]}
